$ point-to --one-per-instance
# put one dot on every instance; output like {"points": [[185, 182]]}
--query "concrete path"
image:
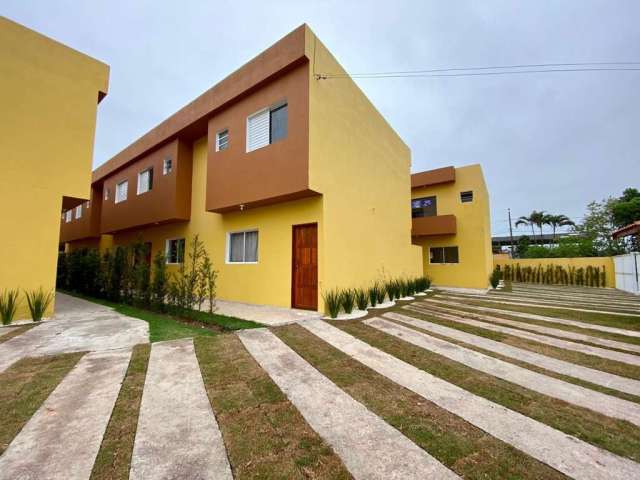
{"points": [[369, 447], [265, 314], [543, 305], [78, 326], [572, 298], [598, 377], [532, 326], [627, 358], [5, 330], [177, 435], [62, 439], [542, 318], [552, 387], [565, 453], [573, 290]]}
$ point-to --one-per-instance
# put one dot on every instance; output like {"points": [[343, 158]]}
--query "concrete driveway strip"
{"points": [[627, 358], [177, 435], [574, 298], [62, 439], [605, 342], [552, 387], [369, 447], [565, 453], [610, 380], [542, 318]]}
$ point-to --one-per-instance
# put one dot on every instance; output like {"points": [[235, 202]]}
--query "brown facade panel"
{"points": [[88, 225], [436, 225], [433, 177], [168, 200]]}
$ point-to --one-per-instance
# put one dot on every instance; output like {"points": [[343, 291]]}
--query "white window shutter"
{"points": [[258, 130]]}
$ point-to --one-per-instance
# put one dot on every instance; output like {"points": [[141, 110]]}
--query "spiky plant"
{"points": [[362, 299], [8, 305], [38, 301], [373, 294], [403, 288], [332, 301], [494, 278], [348, 300], [390, 287], [381, 292]]}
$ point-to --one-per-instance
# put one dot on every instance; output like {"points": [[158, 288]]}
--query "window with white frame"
{"points": [[78, 212], [145, 181], [267, 126], [121, 191], [68, 215], [222, 140], [242, 247], [87, 204], [174, 250], [167, 166], [107, 193]]}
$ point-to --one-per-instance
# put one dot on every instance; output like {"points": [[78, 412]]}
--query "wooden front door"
{"points": [[304, 262]]}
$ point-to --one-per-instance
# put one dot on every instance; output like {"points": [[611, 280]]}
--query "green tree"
{"points": [[535, 218], [597, 227], [555, 221], [626, 209], [160, 282]]}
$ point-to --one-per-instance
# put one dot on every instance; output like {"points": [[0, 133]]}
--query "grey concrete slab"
{"points": [[531, 326], [565, 453], [5, 330], [77, 326], [572, 289], [266, 314], [177, 435], [598, 377], [598, 402], [542, 318], [627, 358], [369, 447], [62, 439], [571, 297]]}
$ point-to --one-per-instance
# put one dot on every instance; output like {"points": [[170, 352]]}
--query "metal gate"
{"points": [[627, 274]]}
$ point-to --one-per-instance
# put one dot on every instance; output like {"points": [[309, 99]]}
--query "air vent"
{"points": [[466, 196]]}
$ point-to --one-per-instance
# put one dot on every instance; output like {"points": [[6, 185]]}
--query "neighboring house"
{"points": [[451, 222], [295, 184], [48, 100]]}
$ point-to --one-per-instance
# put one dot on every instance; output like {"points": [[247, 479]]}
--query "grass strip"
{"points": [[617, 436], [15, 331], [465, 449], [265, 435], [25, 386], [114, 457]]}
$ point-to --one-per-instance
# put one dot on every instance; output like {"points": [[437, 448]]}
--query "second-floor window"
{"points": [[167, 166], [78, 211], [424, 207], [222, 140], [121, 191], [68, 215], [145, 181], [267, 126]]}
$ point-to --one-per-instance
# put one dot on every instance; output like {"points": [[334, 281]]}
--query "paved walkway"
{"points": [[568, 290], [5, 330], [627, 358], [542, 318], [535, 327], [77, 326], [265, 314], [552, 387], [368, 446], [63, 437], [570, 298], [177, 436], [565, 453], [598, 377]]}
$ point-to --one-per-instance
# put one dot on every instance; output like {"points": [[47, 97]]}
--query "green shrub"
{"points": [[160, 282], [332, 301], [403, 288], [494, 278], [390, 288], [362, 299], [38, 301], [411, 287], [373, 294], [348, 300], [8, 305]]}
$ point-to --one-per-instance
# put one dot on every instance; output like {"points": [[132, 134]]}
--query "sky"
{"points": [[546, 141]]}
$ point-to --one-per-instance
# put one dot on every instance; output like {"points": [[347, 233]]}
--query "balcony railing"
{"points": [[435, 225]]}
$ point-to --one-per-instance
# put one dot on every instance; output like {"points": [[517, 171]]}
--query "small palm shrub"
{"points": [[38, 301], [373, 294], [8, 305], [362, 299], [332, 301], [494, 278], [348, 300]]}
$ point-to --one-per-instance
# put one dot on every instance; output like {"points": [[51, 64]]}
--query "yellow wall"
{"points": [[362, 168], [473, 237], [584, 262], [48, 99]]}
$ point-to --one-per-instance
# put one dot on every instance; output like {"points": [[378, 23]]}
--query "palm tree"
{"points": [[556, 221], [536, 219]]}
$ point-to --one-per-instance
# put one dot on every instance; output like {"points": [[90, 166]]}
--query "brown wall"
{"points": [[87, 226], [278, 171], [169, 200], [433, 177], [436, 225]]}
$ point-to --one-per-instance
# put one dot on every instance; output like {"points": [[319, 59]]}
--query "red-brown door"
{"points": [[304, 276]]}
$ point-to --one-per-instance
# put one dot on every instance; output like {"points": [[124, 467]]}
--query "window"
{"points": [[78, 211], [107, 193], [242, 247], [175, 250], [443, 255], [423, 207], [68, 216], [466, 197], [266, 126], [222, 140], [167, 166], [145, 181], [87, 204], [121, 191]]}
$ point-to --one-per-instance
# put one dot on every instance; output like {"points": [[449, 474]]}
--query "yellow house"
{"points": [[451, 222], [295, 183], [48, 96]]}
